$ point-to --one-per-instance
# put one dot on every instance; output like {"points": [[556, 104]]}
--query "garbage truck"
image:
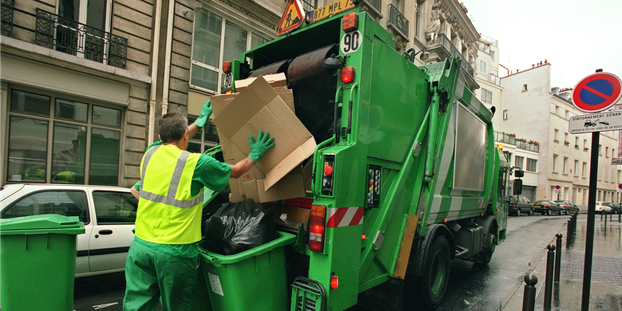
{"points": [[406, 175]]}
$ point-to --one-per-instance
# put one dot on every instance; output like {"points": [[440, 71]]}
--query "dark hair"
{"points": [[172, 127]]}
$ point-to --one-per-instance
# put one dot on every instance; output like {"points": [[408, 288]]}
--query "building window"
{"points": [[215, 40], [555, 163], [585, 147], [576, 167], [524, 87], [576, 142], [565, 165], [59, 140], [584, 170], [486, 96], [518, 162], [532, 165], [95, 14], [606, 152], [567, 115], [483, 67], [505, 114], [556, 136], [204, 139], [566, 139]]}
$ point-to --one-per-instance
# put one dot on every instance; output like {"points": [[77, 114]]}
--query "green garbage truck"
{"points": [[406, 174]]}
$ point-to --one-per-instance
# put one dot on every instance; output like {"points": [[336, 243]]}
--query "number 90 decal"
{"points": [[351, 42]]}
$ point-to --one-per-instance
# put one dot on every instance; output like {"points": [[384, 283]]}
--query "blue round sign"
{"points": [[597, 92]]}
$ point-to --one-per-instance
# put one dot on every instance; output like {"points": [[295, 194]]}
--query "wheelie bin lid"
{"points": [[41, 224]]}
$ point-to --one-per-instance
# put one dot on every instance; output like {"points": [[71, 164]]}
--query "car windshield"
{"points": [[541, 202], [560, 202]]}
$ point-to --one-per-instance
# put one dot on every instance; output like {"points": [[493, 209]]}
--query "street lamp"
{"points": [[411, 56]]}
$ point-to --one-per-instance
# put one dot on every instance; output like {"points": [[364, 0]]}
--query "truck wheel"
{"points": [[530, 212], [490, 244], [433, 283]]}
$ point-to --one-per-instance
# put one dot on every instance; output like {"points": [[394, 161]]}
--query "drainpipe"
{"points": [[167, 63], [154, 72]]}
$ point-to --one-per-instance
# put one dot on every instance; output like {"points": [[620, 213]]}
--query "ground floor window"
{"points": [[58, 139]]}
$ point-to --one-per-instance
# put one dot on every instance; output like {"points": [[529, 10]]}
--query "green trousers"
{"points": [[151, 275]]}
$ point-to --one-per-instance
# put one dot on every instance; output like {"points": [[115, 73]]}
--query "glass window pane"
{"points": [[211, 134], [204, 78], [68, 153], [71, 110], [206, 44], [66, 203], [114, 207], [194, 147], [30, 103], [106, 116], [257, 40], [27, 149], [235, 42], [104, 166]]}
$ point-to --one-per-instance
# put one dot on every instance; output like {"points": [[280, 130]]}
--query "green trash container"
{"points": [[251, 280], [38, 255]]}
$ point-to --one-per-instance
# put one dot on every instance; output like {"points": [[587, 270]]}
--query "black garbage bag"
{"points": [[236, 227]]}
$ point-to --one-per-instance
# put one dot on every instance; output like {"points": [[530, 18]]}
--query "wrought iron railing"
{"points": [[71, 37], [398, 21], [7, 17], [453, 51]]}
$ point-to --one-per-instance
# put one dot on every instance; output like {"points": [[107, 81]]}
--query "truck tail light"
{"points": [[350, 22], [226, 67], [317, 226], [347, 74], [334, 282]]}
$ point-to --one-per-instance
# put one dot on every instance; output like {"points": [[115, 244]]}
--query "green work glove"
{"points": [[259, 147], [206, 111]]}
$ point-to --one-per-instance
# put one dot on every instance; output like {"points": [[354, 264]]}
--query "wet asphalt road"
{"points": [[471, 287]]}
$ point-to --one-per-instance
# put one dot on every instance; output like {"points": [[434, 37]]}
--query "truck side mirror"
{"points": [[519, 173], [518, 186]]}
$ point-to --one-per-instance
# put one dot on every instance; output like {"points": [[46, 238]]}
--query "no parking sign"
{"points": [[597, 92]]}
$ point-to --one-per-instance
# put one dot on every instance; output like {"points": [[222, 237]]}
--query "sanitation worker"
{"points": [[163, 258]]}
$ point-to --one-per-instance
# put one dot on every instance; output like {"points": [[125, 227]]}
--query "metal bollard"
{"points": [[558, 257], [529, 295], [548, 283]]}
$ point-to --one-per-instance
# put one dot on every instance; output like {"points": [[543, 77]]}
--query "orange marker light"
{"points": [[334, 282], [350, 22], [226, 67]]}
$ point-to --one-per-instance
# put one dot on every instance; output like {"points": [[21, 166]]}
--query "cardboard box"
{"points": [[275, 80], [268, 107], [259, 107]]}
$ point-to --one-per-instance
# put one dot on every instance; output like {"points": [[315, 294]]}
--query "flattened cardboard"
{"points": [[276, 80], [259, 107], [290, 186]]}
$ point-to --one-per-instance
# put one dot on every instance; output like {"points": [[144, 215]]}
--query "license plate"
{"points": [[330, 9]]}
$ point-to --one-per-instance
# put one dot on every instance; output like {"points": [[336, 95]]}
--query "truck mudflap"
{"points": [[308, 295]]}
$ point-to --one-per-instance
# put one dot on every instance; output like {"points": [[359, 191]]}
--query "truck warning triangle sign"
{"points": [[293, 17]]}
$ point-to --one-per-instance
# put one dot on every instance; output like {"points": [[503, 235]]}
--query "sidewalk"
{"points": [[606, 280]]}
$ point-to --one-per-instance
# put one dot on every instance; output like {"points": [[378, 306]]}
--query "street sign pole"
{"points": [[591, 215]]}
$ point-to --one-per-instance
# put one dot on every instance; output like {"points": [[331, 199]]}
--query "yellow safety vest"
{"points": [[167, 212]]}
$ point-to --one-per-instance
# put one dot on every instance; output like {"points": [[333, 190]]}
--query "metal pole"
{"points": [[558, 257], [529, 295], [548, 282], [589, 238]]}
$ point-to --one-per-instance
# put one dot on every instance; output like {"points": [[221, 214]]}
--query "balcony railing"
{"points": [[453, 51], [7, 17], [520, 143], [71, 37], [398, 21], [375, 4]]}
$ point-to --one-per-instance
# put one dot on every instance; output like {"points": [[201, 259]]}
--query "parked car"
{"points": [[567, 207], [615, 207], [520, 204], [546, 207], [602, 207], [108, 214]]}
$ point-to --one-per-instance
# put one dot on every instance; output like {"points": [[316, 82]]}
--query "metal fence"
{"points": [[68, 36], [7, 17], [453, 51], [398, 21]]}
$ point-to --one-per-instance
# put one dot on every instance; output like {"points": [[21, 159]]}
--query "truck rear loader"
{"points": [[406, 174]]}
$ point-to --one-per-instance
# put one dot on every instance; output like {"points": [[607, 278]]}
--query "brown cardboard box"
{"points": [[275, 80], [260, 106]]}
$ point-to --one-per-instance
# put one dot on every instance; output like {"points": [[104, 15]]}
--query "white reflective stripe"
{"points": [[173, 186]]}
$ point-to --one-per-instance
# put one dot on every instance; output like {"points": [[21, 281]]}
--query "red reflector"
{"points": [[317, 220], [350, 22], [226, 67], [347, 74], [334, 282]]}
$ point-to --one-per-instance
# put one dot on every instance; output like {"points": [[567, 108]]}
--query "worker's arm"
{"points": [[241, 167], [199, 123], [134, 193]]}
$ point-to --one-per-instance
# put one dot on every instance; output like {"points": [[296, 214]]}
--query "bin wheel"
{"points": [[433, 283]]}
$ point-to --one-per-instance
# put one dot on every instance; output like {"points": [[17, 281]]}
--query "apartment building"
{"points": [[84, 82]]}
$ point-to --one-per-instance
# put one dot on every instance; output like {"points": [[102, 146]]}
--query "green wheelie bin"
{"points": [[253, 280], [38, 255]]}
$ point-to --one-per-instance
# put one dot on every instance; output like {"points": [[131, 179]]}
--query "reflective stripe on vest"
{"points": [[170, 198]]}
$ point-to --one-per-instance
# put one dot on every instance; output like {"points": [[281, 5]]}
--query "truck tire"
{"points": [[489, 244], [432, 284]]}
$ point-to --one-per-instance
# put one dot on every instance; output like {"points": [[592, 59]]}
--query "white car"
{"points": [[108, 214], [601, 207]]}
